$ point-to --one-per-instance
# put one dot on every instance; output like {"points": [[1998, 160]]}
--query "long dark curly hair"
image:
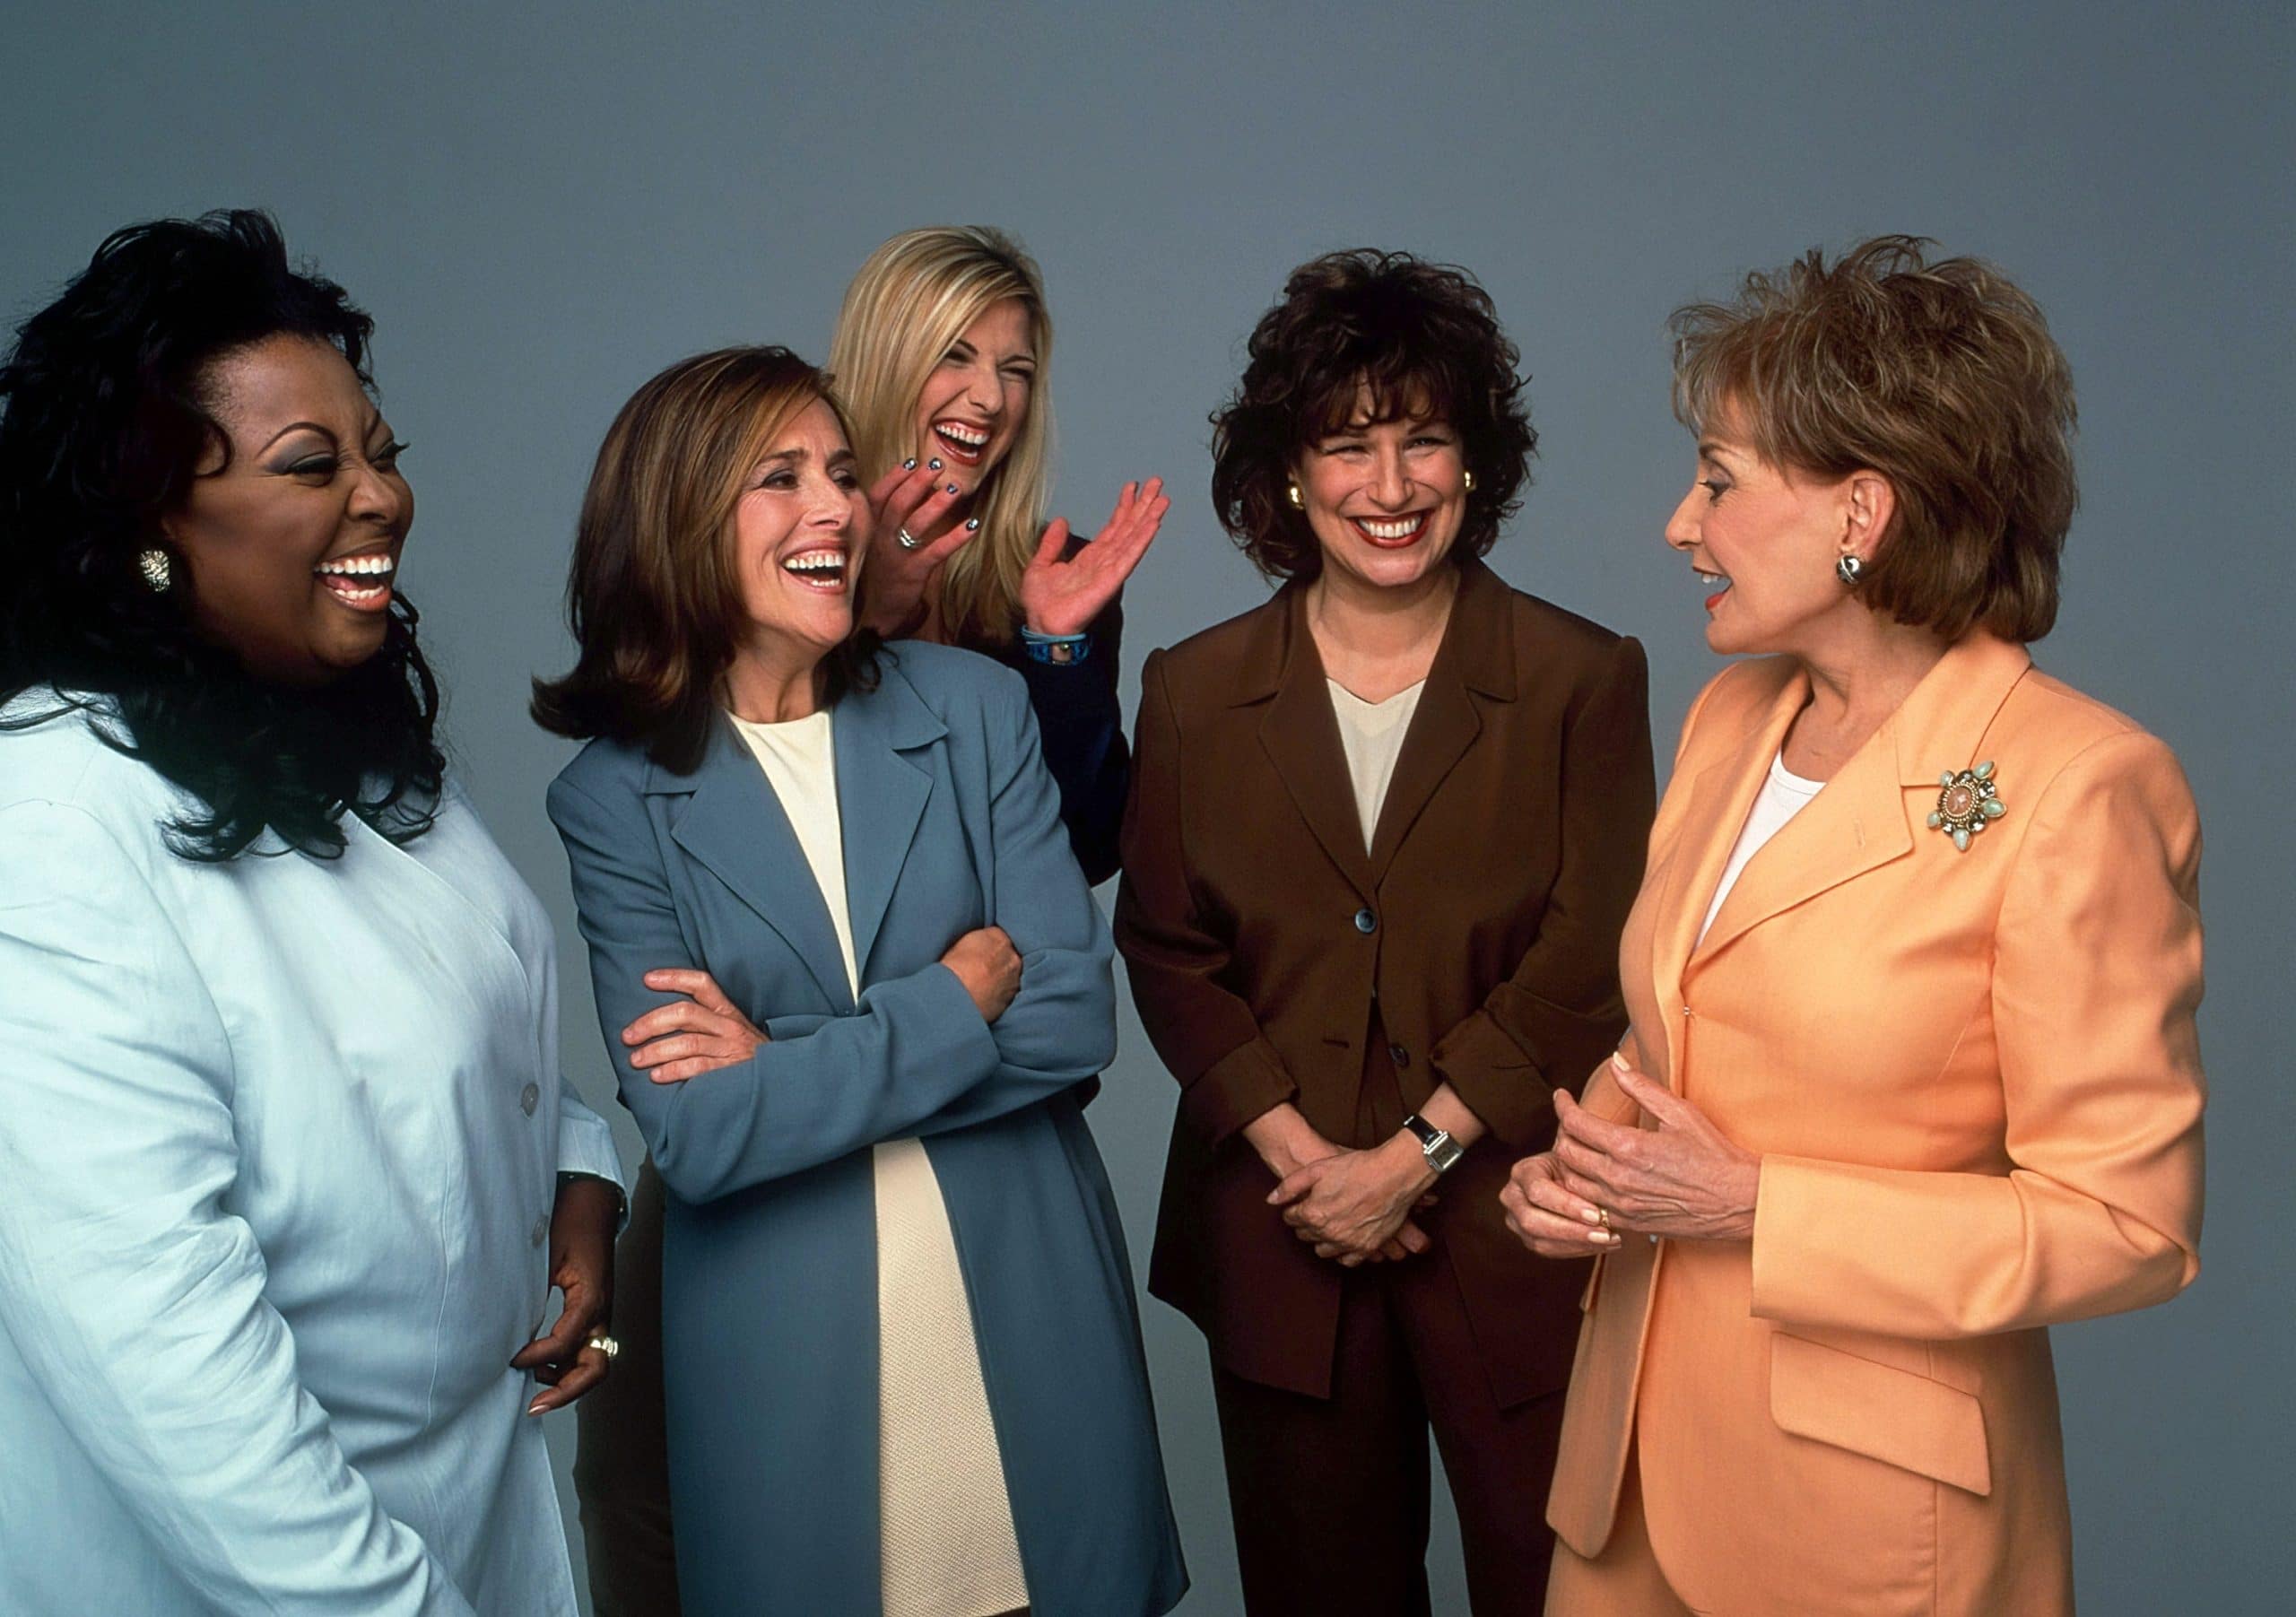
{"points": [[103, 424], [1419, 335]]}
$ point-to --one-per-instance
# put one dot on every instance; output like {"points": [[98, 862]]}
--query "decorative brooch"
{"points": [[1967, 803]]}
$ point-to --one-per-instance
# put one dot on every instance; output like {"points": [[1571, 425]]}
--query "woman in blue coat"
{"points": [[854, 983]]}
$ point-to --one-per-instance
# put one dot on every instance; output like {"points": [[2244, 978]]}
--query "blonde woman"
{"points": [[940, 358]]}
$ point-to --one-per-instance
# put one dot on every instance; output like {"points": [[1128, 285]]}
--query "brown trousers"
{"points": [[1330, 1495]]}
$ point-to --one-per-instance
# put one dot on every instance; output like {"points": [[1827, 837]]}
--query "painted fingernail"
{"points": [[1589, 1215], [910, 464], [536, 1408], [972, 524], [952, 487], [1618, 1060], [935, 465]]}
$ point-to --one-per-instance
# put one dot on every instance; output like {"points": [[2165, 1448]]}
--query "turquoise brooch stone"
{"points": [[1967, 801]]}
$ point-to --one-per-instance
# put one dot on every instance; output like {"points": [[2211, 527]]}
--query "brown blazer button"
{"points": [[1366, 922], [1399, 1056]]}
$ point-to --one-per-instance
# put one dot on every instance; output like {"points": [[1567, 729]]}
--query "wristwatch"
{"points": [[1443, 1152]]}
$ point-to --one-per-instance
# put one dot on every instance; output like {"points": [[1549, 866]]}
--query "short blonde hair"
{"points": [[911, 300], [1941, 377]]}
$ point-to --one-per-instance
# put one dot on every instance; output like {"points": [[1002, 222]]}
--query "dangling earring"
{"points": [[158, 571], [1469, 480], [1848, 569], [1292, 491]]}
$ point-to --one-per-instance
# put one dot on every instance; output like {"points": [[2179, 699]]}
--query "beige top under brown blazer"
{"points": [[1974, 1084], [1272, 957]]}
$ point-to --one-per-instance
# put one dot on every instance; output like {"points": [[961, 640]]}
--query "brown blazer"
{"points": [[1974, 1084], [1477, 939]]}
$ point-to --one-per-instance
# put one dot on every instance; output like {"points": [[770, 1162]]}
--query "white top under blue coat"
{"points": [[279, 1146]]}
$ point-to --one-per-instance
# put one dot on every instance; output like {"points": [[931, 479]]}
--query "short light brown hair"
{"points": [[1941, 377], [654, 597]]}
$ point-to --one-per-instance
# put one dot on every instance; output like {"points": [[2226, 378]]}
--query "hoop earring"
{"points": [[1847, 571], [159, 572], [1469, 480], [1291, 492]]}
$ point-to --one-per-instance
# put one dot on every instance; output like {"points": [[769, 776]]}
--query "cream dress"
{"points": [[949, 1546]]}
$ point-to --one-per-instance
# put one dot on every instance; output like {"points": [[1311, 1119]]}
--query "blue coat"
{"points": [[769, 1307], [279, 1145]]}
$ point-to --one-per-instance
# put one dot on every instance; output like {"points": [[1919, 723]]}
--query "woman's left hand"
{"points": [[1356, 1205], [688, 1037], [1061, 596], [581, 1266], [1682, 1179]]}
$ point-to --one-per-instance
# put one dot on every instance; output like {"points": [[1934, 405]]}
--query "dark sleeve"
{"points": [[1082, 728], [1207, 1034], [1560, 1012]]}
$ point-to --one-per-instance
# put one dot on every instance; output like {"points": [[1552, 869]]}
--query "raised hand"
{"points": [[1060, 596], [915, 500], [688, 1037]]}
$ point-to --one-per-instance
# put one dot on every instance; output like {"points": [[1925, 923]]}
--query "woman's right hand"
{"points": [[1547, 1218], [989, 967], [915, 500]]}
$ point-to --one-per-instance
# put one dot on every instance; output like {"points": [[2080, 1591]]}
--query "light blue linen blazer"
{"points": [[949, 823], [279, 1141]]}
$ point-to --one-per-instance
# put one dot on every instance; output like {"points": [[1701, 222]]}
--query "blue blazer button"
{"points": [[1365, 921]]}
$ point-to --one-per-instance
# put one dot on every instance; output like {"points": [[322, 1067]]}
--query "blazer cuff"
{"points": [[1245, 1083], [1500, 1084]]}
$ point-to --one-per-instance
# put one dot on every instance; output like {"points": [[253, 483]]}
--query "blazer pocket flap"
{"points": [[1888, 1414]]}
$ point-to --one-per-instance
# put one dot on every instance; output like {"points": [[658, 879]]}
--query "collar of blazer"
{"points": [[732, 823], [1300, 733], [1863, 818]]}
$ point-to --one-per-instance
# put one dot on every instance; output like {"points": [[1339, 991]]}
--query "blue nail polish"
{"points": [[935, 465], [910, 464], [953, 488], [971, 524]]}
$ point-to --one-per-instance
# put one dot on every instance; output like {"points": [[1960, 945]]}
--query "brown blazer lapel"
{"points": [[1300, 733], [1477, 655]]}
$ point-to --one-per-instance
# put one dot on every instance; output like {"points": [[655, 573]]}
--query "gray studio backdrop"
{"points": [[543, 206]]}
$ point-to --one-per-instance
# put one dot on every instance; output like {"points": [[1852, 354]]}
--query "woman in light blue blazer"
{"points": [[856, 993], [286, 1174]]}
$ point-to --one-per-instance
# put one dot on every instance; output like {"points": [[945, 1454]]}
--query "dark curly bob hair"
{"points": [[103, 423], [1422, 338]]}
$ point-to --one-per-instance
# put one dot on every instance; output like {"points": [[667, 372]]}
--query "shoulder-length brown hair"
{"points": [[653, 597], [1941, 376]]}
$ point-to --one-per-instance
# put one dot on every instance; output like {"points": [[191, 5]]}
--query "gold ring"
{"points": [[607, 1345], [1603, 1217]]}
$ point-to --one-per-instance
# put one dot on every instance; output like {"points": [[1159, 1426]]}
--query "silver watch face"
{"points": [[1443, 1152]]}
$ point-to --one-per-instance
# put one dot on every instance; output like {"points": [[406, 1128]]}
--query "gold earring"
{"points": [[1470, 482], [1297, 504]]}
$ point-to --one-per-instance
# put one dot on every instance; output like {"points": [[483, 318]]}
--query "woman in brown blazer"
{"points": [[1383, 833]]}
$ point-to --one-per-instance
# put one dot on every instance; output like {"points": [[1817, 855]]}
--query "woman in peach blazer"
{"points": [[1912, 1074]]}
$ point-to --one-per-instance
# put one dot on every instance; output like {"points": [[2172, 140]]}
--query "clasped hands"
{"points": [[1352, 1206], [1603, 1180]]}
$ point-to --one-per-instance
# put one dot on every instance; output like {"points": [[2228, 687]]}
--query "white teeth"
{"points": [[1403, 529], [1705, 577], [359, 566], [972, 437], [815, 562]]}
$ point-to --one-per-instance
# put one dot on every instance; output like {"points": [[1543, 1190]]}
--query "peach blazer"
{"points": [[1975, 1083]]}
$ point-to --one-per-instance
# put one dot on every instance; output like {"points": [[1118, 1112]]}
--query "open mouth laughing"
{"points": [[362, 582], [1392, 533], [820, 567], [962, 441]]}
